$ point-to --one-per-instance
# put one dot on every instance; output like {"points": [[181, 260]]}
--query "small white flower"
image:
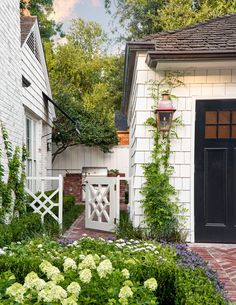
{"points": [[74, 289], [16, 291], [104, 268], [125, 273], [151, 284], [2, 252], [69, 264], [125, 292], [88, 262], [82, 256], [39, 246], [85, 276]]}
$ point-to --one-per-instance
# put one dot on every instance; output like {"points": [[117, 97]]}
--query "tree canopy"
{"points": [[43, 9], [87, 83], [139, 18]]}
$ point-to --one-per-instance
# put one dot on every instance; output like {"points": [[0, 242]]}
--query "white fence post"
{"points": [[60, 201], [117, 209]]}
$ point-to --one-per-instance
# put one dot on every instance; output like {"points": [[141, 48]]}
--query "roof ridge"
{"points": [[191, 26]]}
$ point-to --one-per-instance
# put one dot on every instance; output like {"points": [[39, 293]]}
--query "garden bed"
{"points": [[105, 272]]}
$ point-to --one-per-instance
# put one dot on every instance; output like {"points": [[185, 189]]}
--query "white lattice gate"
{"points": [[102, 203], [43, 202]]}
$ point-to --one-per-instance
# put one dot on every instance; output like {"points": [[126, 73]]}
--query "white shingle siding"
{"points": [[11, 108], [16, 101], [199, 84]]}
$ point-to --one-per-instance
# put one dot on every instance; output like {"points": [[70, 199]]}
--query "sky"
{"points": [[65, 10]]}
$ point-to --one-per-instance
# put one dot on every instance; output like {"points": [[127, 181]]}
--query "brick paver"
{"points": [[221, 258], [77, 230]]}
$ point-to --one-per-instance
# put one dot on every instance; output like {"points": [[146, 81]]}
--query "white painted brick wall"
{"points": [[199, 84]]}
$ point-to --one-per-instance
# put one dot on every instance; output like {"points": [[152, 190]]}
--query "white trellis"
{"points": [[42, 203]]}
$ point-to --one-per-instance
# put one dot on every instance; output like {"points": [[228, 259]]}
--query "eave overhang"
{"points": [[154, 57]]}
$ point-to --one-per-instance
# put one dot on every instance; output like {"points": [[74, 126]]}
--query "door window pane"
{"points": [[224, 132], [224, 117], [234, 131], [210, 132], [211, 117]]}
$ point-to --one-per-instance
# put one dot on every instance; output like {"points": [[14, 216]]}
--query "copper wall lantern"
{"points": [[164, 113]]}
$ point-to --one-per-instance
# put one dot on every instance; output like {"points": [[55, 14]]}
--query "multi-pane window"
{"points": [[220, 124], [31, 166]]}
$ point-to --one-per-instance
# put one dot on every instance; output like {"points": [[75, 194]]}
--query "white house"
{"points": [[23, 80], [204, 157]]}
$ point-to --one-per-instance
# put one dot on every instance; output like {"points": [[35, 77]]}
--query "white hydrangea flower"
{"points": [[69, 264], [85, 275], [88, 262], [74, 289], [16, 291], [40, 246], [49, 269], [125, 273], [57, 278], [125, 292], [151, 284], [32, 281], [52, 293], [2, 252], [104, 268], [81, 257], [69, 301]]}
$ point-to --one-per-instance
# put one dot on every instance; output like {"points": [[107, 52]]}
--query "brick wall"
{"points": [[73, 186], [123, 137]]}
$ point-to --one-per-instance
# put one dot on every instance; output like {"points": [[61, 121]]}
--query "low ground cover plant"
{"points": [[104, 272]]}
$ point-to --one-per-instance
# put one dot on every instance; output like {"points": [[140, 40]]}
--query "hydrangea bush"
{"points": [[101, 272]]}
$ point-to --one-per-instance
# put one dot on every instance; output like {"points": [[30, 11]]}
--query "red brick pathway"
{"points": [[221, 258], [77, 230]]}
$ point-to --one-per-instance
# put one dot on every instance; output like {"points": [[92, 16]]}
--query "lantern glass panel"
{"points": [[164, 120]]}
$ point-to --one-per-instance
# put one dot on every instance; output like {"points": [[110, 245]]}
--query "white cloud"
{"points": [[64, 9]]}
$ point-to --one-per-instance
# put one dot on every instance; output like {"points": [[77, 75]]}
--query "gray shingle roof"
{"points": [[26, 25], [217, 34]]}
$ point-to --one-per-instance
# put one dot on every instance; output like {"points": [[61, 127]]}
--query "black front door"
{"points": [[215, 171]]}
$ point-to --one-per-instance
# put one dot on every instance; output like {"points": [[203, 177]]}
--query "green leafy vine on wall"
{"points": [[160, 204], [13, 197]]}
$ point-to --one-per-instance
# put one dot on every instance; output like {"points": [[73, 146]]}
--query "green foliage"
{"points": [[43, 10], [160, 205], [143, 260], [24, 228], [177, 14], [139, 18], [71, 212], [92, 87], [13, 197], [192, 288], [125, 229]]}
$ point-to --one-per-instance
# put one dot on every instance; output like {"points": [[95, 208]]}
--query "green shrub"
{"points": [[176, 284], [24, 228], [30, 225]]}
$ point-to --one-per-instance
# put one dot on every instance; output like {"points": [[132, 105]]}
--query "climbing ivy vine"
{"points": [[160, 203], [13, 197]]}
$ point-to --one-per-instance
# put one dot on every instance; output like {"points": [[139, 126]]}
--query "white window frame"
{"points": [[31, 145]]}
